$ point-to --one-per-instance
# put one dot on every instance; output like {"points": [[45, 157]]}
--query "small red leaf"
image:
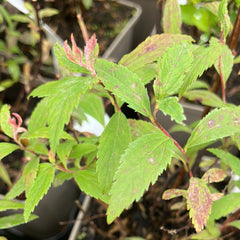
{"points": [[214, 175], [199, 203], [172, 193]]}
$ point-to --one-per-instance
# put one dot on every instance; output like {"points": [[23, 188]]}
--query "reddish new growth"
{"points": [[75, 54], [16, 125]]}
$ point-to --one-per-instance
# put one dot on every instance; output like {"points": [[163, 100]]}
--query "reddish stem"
{"points": [[222, 80]]}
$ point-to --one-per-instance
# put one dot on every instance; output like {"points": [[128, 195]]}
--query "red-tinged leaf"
{"points": [[199, 203], [172, 193], [216, 196], [214, 175]]}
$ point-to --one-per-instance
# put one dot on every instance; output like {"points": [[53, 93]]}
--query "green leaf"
{"points": [[87, 181], [230, 202], [39, 188], [199, 203], [112, 144], [87, 3], [235, 224], [4, 175], [146, 73], [172, 19], [7, 204], [6, 149], [65, 62], [203, 58], [151, 49], [14, 220], [214, 175], [219, 123], [227, 158], [20, 18], [172, 68], [198, 85], [170, 106], [224, 18], [124, 84], [29, 174], [13, 69], [204, 97], [224, 64], [93, 105], [143, 161], [82, 149], [47, 12], [17, 189], [6, 127], [140, 128], [173, 193]]}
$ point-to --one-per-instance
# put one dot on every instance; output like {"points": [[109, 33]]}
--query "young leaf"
{"points": [[151, 49], [199, 203], [17, 189], [173, 193], [172, 68], [172, 19], [5, 125], [112, 144], [47, 12], [214, 175], [14, 220], [143, 161], [4, 175], [7, 148], [217, 124], [140, 128], [39, 188], [80, 150], [29, 174], [87, 181], [93, 105], [230, 202], [124, 84], [204, 97], [203, 58], [170, 106], [227, 158], [7, 204], [65, 62]]}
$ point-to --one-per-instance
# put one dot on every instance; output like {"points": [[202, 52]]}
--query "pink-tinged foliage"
{"points": [[90, 53], [172, 193], [199, 203], [214, 175], [16, 125]]}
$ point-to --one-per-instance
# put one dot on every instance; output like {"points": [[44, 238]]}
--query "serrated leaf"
{"points": [[39, 188], [4, 175], [146, 73], [139, 128], [87, 181], [112, 144], [14, 220], [227, 158], [170, 106], [151, 49], [80, 150], [143, 161], [124, 84], [5, 125], [6, 149], [214, 175], [235, 224], [224, 64], [172, 68], [173, 193], [93, 105], [217, 124], [29, 174], [172, 19], [7, 204], [47, 12], [231, 202], [224, 18], [199, 203], [204, 97], [199, 85], [203, 58], [65, 62], [17, 189]]}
